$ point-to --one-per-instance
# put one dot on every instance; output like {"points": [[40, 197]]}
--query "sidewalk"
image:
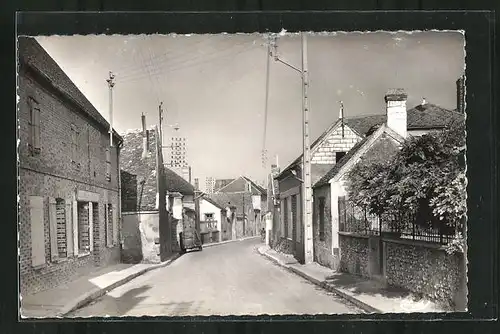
{"points": [[369, 295], [66, 298], [228, 241]]}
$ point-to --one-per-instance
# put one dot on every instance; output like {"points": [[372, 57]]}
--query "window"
{"points": [[74, 145], [109, 224], [84, 228], [342, 213], [62, 249], [339, 155], [321, 218], [34, 126], [108, 164], [209, 216]]}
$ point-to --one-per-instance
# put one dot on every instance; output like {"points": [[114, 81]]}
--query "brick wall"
{"points": [[325, 153], [53, 174], [323, 247]]}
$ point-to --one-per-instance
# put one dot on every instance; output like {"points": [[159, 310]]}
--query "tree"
{"points": [[425, 179]]}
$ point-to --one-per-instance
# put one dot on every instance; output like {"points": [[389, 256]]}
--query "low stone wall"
{"points": [[284, 245], [427, 271], [354, 255]]}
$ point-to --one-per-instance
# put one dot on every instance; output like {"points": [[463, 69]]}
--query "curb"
{"points": [[227, 242], [87, 298], [329, 287]]}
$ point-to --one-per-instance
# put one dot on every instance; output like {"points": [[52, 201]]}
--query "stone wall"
{"points": [[354, 255], [323, 247], [427, 271], [129, 192]]}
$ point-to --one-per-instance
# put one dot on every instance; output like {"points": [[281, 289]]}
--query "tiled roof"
{"points": [[210, 200], [220, 183], [426, 116], [176, 183], [232, 199], [239, 185], [34, 55]]}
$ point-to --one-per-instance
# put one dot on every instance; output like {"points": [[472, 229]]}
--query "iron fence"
{"points": [[403, 226]]}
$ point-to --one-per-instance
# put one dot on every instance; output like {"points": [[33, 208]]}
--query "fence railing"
{"points": [[404, 226]]}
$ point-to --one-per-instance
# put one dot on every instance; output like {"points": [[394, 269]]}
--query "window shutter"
{"points": [[37, 231], [91, 226], [342, 213], [75, 227], [69, 228], [36, 125], [53, 229]]}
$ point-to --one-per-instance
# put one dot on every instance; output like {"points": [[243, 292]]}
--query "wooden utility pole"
{"points": [[111, 84], [306, 170]]}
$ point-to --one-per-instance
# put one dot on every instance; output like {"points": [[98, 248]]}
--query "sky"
{"points": [[214, 86]]}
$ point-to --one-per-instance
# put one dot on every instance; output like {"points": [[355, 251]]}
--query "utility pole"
{"points": [[111, 84], [306, 170], [160, 115], [342, 117]]}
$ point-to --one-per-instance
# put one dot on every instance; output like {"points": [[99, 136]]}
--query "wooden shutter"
{"points": [[62, 244], [53, 229], [69, 228], [91, 227], [109, 224], [108, 164], [36, 128], [75, 228], [37, 231]]}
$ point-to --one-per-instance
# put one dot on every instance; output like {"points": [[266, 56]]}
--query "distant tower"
{"points": [[178, 157], [210, 185]]}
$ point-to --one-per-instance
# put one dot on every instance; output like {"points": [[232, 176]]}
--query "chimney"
{"points": [[424, 101], [196, 184], [275, 170], [144, 137], [395, 100], [461, 94]]}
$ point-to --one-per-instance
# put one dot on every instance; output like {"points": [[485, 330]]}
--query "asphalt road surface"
{"points": [[228, 279]]}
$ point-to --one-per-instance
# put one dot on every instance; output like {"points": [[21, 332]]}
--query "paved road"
{"points": [[230, 279]]}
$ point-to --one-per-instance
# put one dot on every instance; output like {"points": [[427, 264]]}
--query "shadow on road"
{"points": [[359, 285], [115, 306]]}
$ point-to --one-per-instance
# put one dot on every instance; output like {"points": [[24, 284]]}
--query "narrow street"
{"points": [[230, 279]]}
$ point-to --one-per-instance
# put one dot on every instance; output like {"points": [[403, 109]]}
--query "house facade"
{"points": [[214, 226], [372, 251], [68, 177]]}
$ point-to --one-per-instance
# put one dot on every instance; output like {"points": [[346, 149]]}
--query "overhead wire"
{"points": [[186, 64]]}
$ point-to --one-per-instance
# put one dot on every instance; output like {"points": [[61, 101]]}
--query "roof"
{"points": [[424, 116], [220, 183], [232, 199], [176, 183], [32, 54], [239, 185], [210, 200], [352, 152]]}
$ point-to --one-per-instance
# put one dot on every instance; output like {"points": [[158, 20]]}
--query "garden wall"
{"points": [[425, 269]]}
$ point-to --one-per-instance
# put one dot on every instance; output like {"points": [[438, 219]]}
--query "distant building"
{"points": [[210, 185], [221, 183], [178, 152]]}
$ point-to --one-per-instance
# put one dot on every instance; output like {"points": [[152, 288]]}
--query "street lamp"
{"points": [[306, 170]]}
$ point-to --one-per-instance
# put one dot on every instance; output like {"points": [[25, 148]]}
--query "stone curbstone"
{"points": [[329, 287], [89, 297]]}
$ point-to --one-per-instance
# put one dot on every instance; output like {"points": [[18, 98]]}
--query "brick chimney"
{"points": [[461, 94], [395, 100], [275, 170], [144, 137], [196, 184]]}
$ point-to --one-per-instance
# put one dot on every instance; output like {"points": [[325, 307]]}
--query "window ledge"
{"points": [[39, 267], [60, 260], [83, 254]]}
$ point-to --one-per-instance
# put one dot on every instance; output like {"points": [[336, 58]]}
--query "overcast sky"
{"points": [[213, 86]]}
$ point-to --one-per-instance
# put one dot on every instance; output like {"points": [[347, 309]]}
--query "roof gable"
{"points": [[176, 183], [32, 54], [240, 185], [213, 202], [374, 141]]}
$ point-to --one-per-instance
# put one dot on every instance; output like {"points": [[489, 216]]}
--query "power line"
{"points": [[187, 64]]}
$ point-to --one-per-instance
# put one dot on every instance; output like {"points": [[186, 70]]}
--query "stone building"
{"points": [[68, 177]]}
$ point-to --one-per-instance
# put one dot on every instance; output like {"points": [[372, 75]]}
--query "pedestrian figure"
{"points": [[263, 234]]}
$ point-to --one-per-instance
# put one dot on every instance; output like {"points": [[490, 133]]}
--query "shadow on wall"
{"points": [[132, 243]]}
